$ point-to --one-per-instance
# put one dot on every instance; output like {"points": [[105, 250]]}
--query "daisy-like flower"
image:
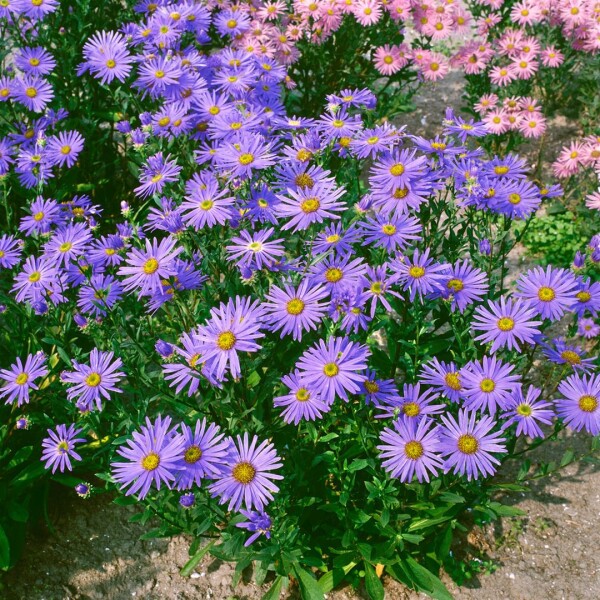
{"points": [[587, 297], [588, 328], [389, 59], [561, 353], [153, 457], [414, 404], [520, 200], [579, 405], [205, 204], [410, 449], [64, 148], [102, 293], [10, 251], [34, 93], [421, 274], [506, 323], [465, 285], [527, 411], [43, 214], [93, 382], [204, 454], [295, 310], [302, 402], [145, 270], [392, 232], [551, 291], [306, 206], [397, 170], [444, 378], [487, 384], [107, 57], [36, 61], [156, 173], [19, 379], [379, 391], [334, 367], [467, 445], [231, 329], [35, 280], [248, 154], [248, 478], [259, 523], [255, 250], [376, 283], [67, 244], [59, 447]]}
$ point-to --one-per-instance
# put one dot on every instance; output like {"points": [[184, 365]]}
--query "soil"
{"points": [[95, 553]]}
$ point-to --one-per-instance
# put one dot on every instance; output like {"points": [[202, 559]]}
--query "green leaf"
{"points": [[4, 550], [357, 465], [329, 437], [425, 580], [190, 565], [373, 583], [275, 590], [506, 511], [333, 578], [309, 588]]}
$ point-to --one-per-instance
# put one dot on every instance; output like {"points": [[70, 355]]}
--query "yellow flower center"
{"points": [[310, 205], [34, 62], [468, 444], [371, 386], [456, 285], [413, 450], [388, 60], [156, 178], [159, 74], [487, 385], [416, 272], [588, 403], [110, 63], [400, 193], [63, 447], [255, 246], [295, 306], [246, 159], [333, 274], [93, 379], [35, 276], [372, 140], [303, 155], [571, 357], [438, 145], [514, 198], [232, 23], [206, 204], [584, 296], [411, 409], [150, 462], [150, 266], [453, 381], [331, 369], [332, 239], [304, 180], [506, 324], [192, 455], [244, 473], [302, 395], [524, 410], [546, 294], [31, 92], [65, 150], [376, 287], [22, 379], [397, 169], [389, 229], [164, 121], [65, 247], [226, 340]]}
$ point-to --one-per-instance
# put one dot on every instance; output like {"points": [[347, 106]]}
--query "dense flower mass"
{"points": [[278, 321]]}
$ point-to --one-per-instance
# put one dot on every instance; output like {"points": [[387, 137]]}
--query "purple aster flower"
{"points": [[397, 170], [334, 367], [261, 205], [587, 297], [10, 251], [64, 148], [248, 478], [34, 92], [379, 391], [561, 353], [421, 274], [94, 381], [410, 449], [371, 142], [67, 244], [336, 239], [551, 292], [102, 293], [232, 23], [465, 285], [307, 206], [444, 378], [467, 445], [579, 406], [414, 404], [588, 328], [392, 231], [259, 523], [302, 402], [456, 125], [338, 273], [527, 411], [37, 9], [104, 252], [44, 214], [519, 199], [204, 454], [249, 153], [506, 323], [147, 269], [187, 500], [19, 379], [205, 204], [153, 457], [59, 447], [165, 349], [36, 279], [337, 124], [156, 173], [255, 249], [487, 384], [156, 73], [36, 61], [295, 310], [231, 329]]}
